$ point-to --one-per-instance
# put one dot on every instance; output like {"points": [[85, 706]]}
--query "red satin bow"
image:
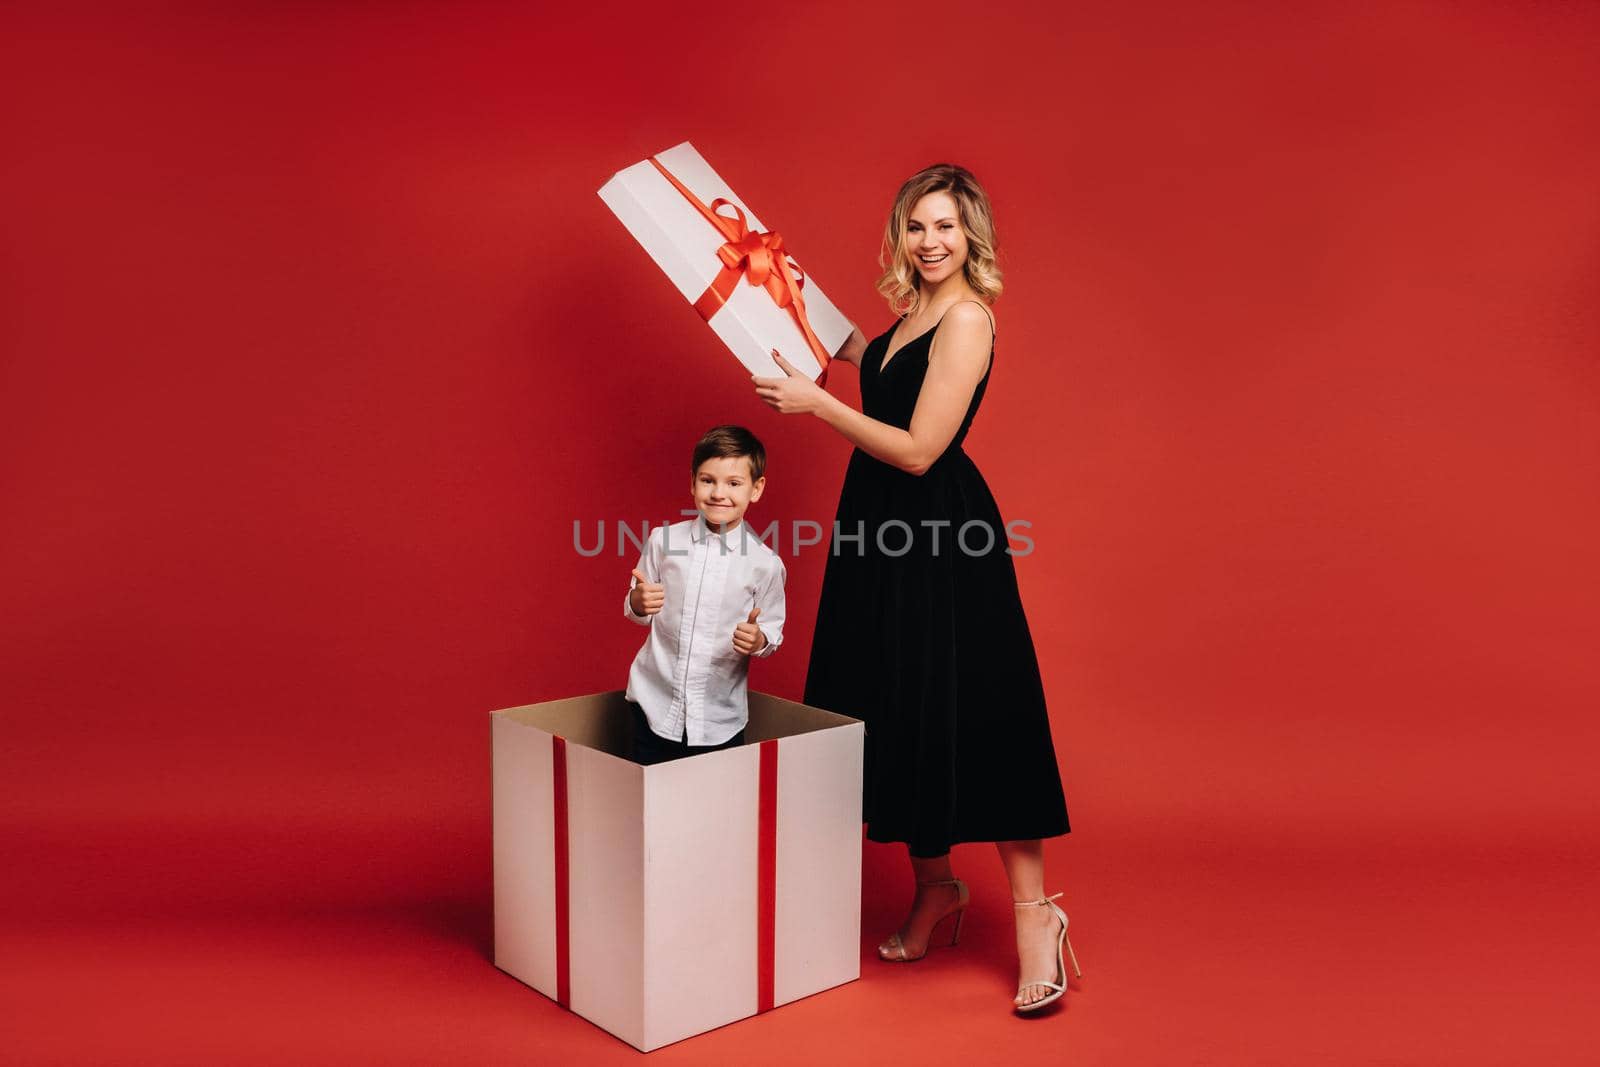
{"points": [[758, 257]]}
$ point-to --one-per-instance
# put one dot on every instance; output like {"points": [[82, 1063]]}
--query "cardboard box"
{"points": [[723, 271], [660, 902]]}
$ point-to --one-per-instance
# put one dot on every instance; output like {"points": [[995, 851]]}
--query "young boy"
{"points": [[712, 595]]}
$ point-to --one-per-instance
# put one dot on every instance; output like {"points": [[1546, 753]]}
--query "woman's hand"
{"points": [[793, 394]]}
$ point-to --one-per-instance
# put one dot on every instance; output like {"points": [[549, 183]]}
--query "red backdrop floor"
{"points": [[315, 340], [372, 945]]}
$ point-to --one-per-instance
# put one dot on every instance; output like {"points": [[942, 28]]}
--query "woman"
{"points": [[920, 629]]}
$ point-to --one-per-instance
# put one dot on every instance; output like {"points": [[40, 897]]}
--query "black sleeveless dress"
{"points": [[921, 633]]}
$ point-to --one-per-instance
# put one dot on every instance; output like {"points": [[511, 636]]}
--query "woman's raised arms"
{"points": [[957, 362], [853, 347]]}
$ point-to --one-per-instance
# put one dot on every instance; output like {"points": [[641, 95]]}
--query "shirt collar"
{"points": [[700, 530]]}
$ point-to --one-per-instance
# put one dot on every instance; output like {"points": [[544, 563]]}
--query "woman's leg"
{"points": [[929, 904], [1037, 927]]}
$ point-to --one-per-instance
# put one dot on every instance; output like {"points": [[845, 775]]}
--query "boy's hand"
{"points": [[647, 597], [747, 636]]}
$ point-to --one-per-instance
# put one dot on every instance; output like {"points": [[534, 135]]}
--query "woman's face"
{"points": [[934, 238]]}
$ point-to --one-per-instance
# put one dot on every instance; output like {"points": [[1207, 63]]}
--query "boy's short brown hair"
{"points": [[731, 441]]}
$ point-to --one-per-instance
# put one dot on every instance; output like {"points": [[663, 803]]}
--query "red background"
{"points": [[317, 340]]}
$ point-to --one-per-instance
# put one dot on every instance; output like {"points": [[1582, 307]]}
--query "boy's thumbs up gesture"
{"points": [[646, 597], [747, 636]]}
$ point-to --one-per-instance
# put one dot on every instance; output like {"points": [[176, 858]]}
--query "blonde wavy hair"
{"points": [[901, 283]]}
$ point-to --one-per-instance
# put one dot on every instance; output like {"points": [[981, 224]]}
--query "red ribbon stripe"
{"points": [[558, 777], [767, 877]]}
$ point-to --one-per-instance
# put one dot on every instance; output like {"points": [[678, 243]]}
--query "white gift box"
{"points": [[663, 901], [686, 245]]}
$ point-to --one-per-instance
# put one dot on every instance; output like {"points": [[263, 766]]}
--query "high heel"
{"points": [[1060, 986], [894, 949]]}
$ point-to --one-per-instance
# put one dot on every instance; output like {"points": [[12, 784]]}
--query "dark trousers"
{"points": [[648, 748]]}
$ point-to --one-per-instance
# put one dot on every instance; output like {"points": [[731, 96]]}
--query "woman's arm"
{"points": [[853, 347], [955, 366]]}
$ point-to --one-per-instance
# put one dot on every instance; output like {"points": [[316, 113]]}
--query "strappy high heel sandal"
{"points": [[894, 949], [1059, 986]]}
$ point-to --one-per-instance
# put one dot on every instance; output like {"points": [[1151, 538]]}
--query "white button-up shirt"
{"points": [[688, 677]]}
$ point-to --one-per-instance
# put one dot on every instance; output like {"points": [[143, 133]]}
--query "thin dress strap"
{"points": [[989, 314], [992, 331]]}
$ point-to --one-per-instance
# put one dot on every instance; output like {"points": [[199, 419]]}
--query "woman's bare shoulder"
{"points": [[966, 314]]}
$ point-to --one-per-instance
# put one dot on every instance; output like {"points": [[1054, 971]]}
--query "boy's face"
{"points": [[723, 489]]}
